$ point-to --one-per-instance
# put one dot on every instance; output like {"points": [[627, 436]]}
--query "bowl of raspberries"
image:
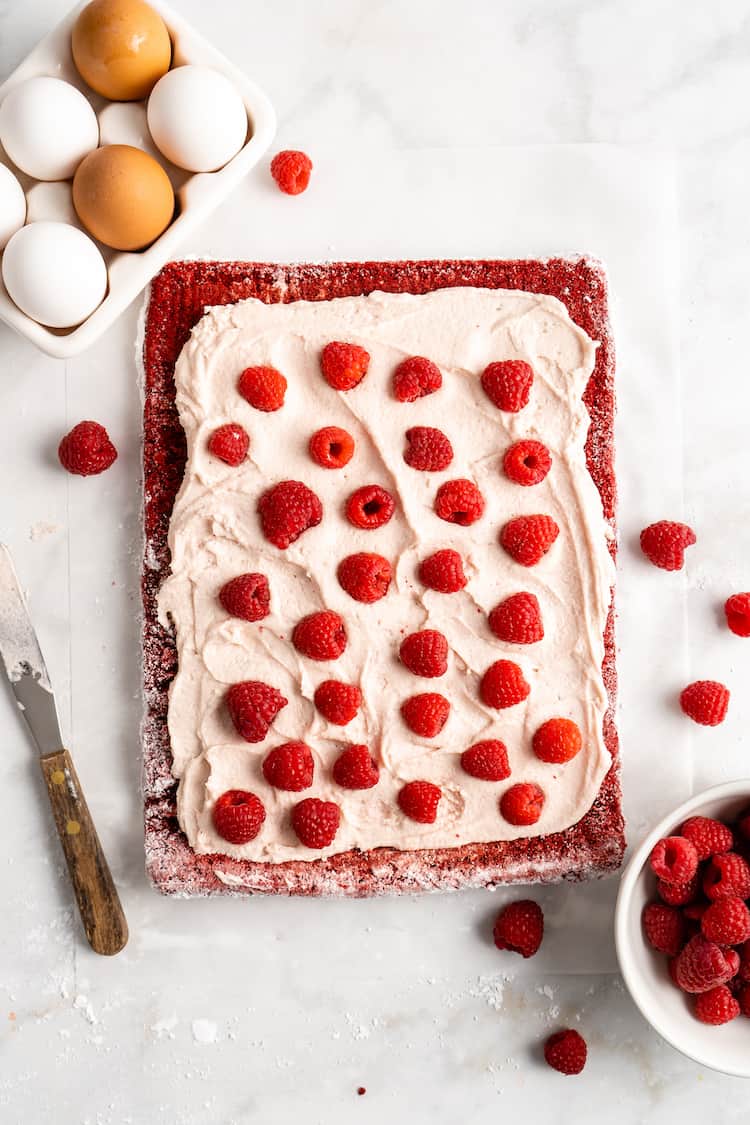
{"points": [[682, 928]]}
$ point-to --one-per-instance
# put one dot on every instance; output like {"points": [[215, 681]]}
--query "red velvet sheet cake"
{"points": [[193, 739]]}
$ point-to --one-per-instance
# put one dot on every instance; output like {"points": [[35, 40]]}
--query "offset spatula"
{"points": [[98, 902]]}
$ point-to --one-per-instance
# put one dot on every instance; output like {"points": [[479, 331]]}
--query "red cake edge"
{"points": [[179, 296]]}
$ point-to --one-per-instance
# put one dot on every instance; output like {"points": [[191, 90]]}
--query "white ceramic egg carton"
{"points": [[197, 194]]}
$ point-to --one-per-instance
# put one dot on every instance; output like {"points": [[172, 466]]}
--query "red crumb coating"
{"points": [[179, 295]]}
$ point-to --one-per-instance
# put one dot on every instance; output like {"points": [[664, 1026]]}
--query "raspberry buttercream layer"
{"points": [[463, 316]]}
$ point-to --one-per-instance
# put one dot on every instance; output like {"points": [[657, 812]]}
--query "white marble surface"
{"points": [[261, 1011]]}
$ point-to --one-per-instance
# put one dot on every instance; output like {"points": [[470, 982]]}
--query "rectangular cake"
{"points": [[447, 556]]}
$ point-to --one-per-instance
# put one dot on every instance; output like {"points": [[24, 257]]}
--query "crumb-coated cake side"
{"points": [[401, 847]]}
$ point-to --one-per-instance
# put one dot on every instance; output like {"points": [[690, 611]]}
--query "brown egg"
{"points": [[121, 48], [123, 197]]}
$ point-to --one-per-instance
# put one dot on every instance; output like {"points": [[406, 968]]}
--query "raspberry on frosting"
{"points": [[289, 767], [557, 741], [459, 501], [426, 714], [87, 450], [320, 636], [503, 685], [316, 822], [425, 653], [522, 804], [527, 463], [365, 576], [416, 377], [355, 768], [338, 702], [229, 443], [331, 447], [247, 596], [344, 366], [419, 801], [238, 816], [263, 387], [443, 571], [527, 539], [486, 760], [370, 507], [518, 620], [507, 384], [287, 510], [252, 706], [427, 449]]}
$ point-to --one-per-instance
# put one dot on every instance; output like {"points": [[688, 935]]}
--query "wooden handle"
{"points": [[98, 902]]}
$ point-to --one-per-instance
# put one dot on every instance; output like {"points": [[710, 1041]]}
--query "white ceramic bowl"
{"points": [[725, 1048]]}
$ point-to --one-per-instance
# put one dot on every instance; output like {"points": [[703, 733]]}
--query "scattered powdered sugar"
{"points": [[204, 1031], [82, 1004], [491, 989]]}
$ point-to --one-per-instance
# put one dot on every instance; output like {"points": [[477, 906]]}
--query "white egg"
{"points": [[197, 118], [47, 127], [12, 205], [54, 273]]}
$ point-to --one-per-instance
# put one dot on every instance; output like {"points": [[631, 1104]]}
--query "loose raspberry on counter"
{"points": [[426, 714], [664, 928], [503, 685], [522, 804], [566, 1051], [364, 576], [427, 449], [527, 463], [331, 447], [263, 387], [664, 543], [419, 801], [518, 620], [527, 539], [727, 921], [459, 501], [247, 596], [674, 859], [727, 875], [703, 965], [287, 510], [87, 450], [369, 507], [344, 366], [557, 741], [289, 767], [253, 706], [486, 760], [416, 377], [291, 170], [716, 1006], [679, 894], [316, 822], [425, 653], [338, 702], [737, 610], [238, 816], [705, 702], [443, 572], [355, 768], [519, 927], [508, 384], [709, 837], [230, 444], [320, 636]]}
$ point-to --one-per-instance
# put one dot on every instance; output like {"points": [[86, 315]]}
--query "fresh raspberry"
{"points": [[238, 816], [365, 577], [331, 447], [678, 894], [557, 741], [503, 685], [425, 653], [737, 610], [517, 620], [316, 822], [321, 636], [443, 571], [664, 543], [519, 927], [229, 443], [528, 538], [253, 706], [694, 911], [716, 1006], [369, 507], [416, 377], [566, 1051], [426, 714], [289, 767], [527, 463], [419, 801], [287, 510], [703, 965], [344, 366], [337, 702], [486, 760], [247, 596], [263, 387], [508, 384], [664, 928], [709, 837], [727, 921], [428, 449], [522, 804], [743, 999], [86, 450], [291, 170], [355, 769], [727, 875], [674, 859], [705, 702], [459, 501]]}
